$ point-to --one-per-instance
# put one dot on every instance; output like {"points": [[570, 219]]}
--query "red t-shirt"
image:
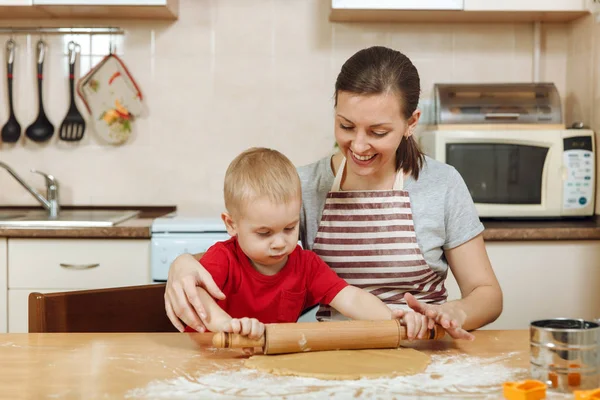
{"points": [[304, 281]]}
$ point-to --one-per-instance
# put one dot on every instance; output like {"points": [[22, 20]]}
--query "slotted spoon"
{"points": [[73, 126]]}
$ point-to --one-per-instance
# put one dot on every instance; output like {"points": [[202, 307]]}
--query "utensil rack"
{"points": [[62, 31]]}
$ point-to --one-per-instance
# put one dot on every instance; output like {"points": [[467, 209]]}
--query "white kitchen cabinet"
{"points": [[51, 265], [543, 279], [461, 11], [397, 4], [525, 5], [20, 9], [16, 2], [101, 2], [3, 286], [90, 9]]}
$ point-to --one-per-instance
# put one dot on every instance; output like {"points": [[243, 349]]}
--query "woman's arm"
{"points": [[481, 294], [215, 318], [182, 302], [481, 301]]}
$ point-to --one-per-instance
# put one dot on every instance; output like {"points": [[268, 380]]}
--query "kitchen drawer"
{"points": [[3, 286], [77, 263], [18, 308]]}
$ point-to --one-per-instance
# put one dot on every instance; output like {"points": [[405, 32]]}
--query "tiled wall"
{"points": [[230, 74]]}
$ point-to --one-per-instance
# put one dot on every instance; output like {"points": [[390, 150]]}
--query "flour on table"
{"points": [[457, 376]]}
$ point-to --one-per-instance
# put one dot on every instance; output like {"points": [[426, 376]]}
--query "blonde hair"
{"points": [[259, 172]]}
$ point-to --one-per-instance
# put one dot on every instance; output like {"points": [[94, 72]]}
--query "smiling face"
{"points": [[368, 130], [267, 232]]}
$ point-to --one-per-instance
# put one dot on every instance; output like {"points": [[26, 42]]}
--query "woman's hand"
{"points": [[417, 325], [182, 302], [250, 327], [450, 318]]}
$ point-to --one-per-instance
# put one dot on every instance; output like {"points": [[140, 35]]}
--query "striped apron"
{"points": [[368, 238]]}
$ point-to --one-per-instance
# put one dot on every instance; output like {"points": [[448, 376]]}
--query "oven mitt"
{"points": [[112, 98]]}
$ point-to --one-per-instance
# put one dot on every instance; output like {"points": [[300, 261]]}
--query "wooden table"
{"points": [[79, 365]]}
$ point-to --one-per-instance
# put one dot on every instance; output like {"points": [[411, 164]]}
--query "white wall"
{"points": [[230, 74]]}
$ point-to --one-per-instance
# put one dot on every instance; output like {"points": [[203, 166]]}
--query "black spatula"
{"points": [[73, 126]]}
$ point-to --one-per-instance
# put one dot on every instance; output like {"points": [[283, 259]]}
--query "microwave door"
{"points": [[500, 173]]}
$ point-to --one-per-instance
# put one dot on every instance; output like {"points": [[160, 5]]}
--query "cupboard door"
{"points": [[113, 9], [543, 279], [16, 2], [3, 286], [525, 5], [100, 2], [397, 4], [18, 308]]}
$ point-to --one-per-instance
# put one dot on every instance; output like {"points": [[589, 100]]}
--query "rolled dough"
{"points": [[344, 364]]}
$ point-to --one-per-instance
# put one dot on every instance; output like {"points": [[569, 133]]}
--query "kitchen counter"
{"points": [[135, 228], [583, 229], [174, 365], [495, 230]]}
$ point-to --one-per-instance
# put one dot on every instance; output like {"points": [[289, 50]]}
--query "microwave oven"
{"points": [[527, 173]]}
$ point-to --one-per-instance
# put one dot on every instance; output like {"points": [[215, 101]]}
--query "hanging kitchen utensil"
{"points": [[41, 129], [73, 126], [11, 131], [112, 97]]}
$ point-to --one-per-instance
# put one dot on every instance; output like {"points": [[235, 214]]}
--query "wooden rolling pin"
{"points": [[319, 336]]}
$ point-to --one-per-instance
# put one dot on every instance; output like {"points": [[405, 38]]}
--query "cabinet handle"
{"points": [[79, 266]]}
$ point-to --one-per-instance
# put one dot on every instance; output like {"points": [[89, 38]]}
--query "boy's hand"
{"points": [[417, 325], [451, 319], [250, 327]]}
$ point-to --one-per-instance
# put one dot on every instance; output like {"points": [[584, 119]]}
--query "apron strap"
{"points": [[398, 183], [338, 176]]}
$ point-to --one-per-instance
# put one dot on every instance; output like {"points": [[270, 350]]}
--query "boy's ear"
{"points": [[229, 224]]}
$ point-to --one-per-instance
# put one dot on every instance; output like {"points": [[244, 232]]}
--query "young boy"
{"points": [[264, 274]]}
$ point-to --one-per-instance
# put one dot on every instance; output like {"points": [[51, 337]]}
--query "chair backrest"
{"points": [[124, 309]]}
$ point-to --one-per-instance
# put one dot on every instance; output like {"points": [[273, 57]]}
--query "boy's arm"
{"points": [[356, 303]]}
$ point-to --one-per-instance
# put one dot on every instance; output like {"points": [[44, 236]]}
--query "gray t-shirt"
{"points": [[443, 211]]}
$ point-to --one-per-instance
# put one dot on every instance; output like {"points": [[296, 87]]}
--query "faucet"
{"points": [[50, 202]]}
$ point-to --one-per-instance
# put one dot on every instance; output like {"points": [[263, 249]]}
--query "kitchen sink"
{"points": [[9, 215], [65, 218]]}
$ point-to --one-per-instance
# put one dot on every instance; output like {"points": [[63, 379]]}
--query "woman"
{"points": [[385, 217]]}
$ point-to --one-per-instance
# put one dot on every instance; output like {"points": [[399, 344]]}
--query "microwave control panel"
{"points": [[579, 161]]}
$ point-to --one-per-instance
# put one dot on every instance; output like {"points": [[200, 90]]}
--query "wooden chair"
{"points": [[124, 309]]}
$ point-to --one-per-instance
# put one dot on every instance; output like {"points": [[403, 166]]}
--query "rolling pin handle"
{"points": [[437, 333], [224, 340]]}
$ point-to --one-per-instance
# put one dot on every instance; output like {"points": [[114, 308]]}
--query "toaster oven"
{"points": [[510, 146]]}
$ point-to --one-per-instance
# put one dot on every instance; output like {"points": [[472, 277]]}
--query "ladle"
{"points": [[42, 129], [11, 131]]}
